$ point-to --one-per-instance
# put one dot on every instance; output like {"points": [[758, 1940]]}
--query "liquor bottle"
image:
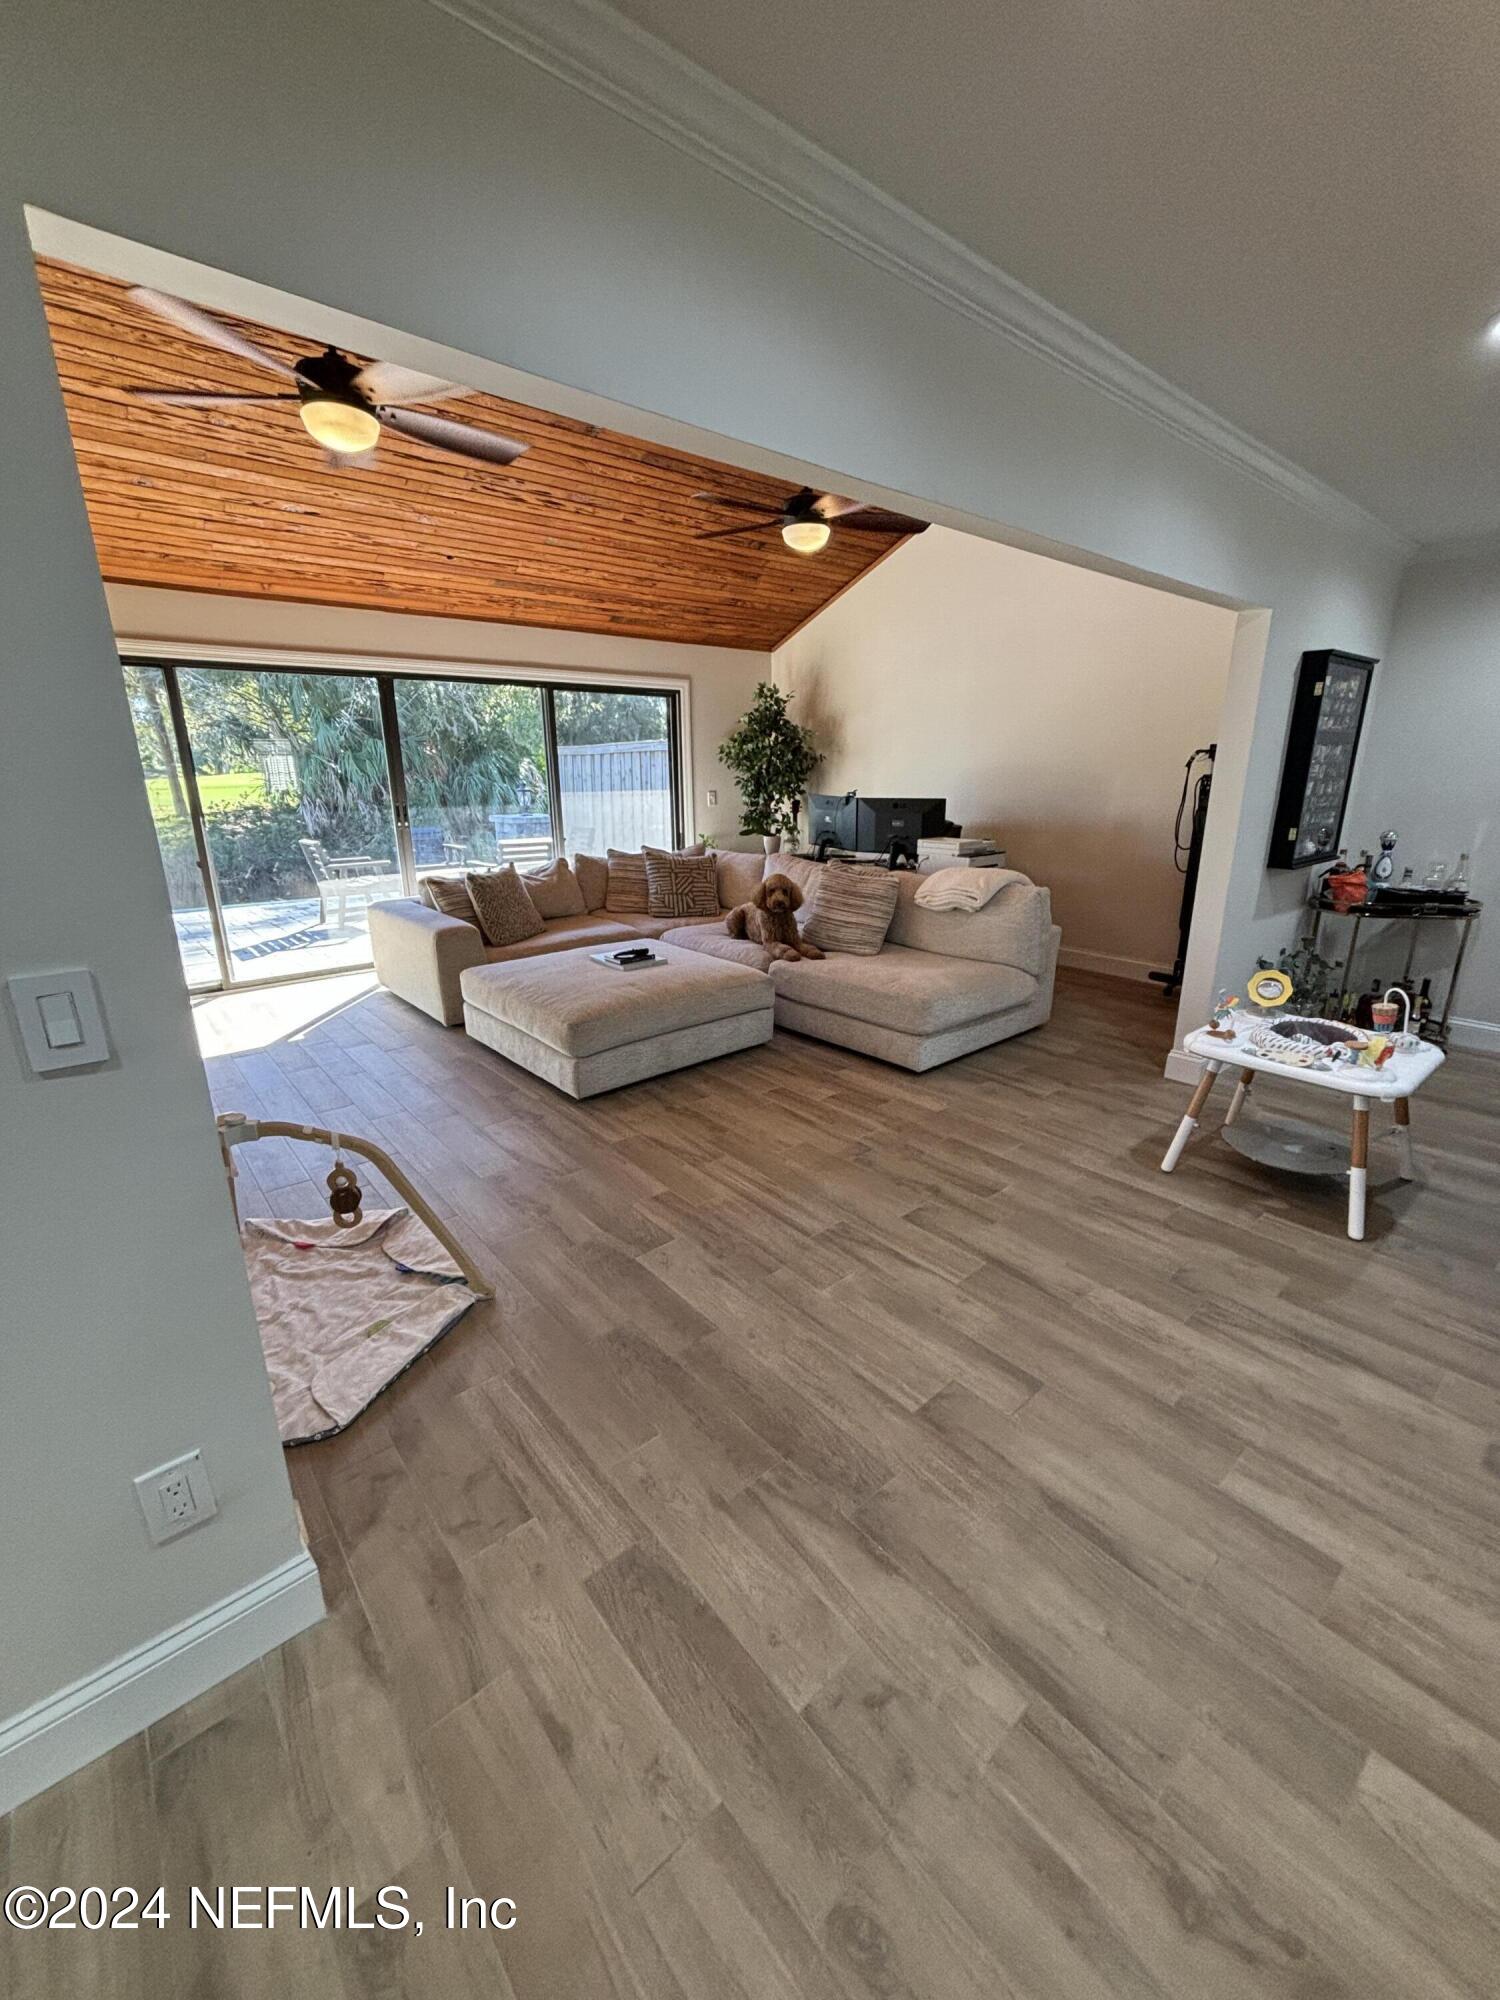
{"points": [[1459, 879], [1422, 1011]]}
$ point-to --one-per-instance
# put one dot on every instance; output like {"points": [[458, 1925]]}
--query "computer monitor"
{"points": [[830, 819], [894, 826]]}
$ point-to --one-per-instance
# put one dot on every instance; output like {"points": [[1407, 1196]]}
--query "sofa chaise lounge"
{"points": [[945, 983]]}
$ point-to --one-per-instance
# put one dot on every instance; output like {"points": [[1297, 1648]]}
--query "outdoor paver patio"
{"points": [[268, 940]]}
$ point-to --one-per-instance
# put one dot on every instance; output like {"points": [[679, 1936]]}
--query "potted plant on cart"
{"points": [[772, 757]]}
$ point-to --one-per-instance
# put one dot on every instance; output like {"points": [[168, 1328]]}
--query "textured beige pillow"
{"points": [[592, 871], [506, 913], [449, 894], [740, 875], [806, 874], [851, 909], [681, 885], [555, 891], [677, 853], [628, 894]]}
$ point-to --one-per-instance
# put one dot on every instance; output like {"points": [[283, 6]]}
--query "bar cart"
{"points": [[1419, 914]]}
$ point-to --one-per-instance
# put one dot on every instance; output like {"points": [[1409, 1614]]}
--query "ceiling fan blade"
{"points": [[206, 399], [206, 327], [743, 506], [831, 506], [876, 521], [747, 528], [389, 382], [449, 436]]}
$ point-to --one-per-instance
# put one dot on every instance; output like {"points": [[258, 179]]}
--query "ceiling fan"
{"points": [[343, 405], [808, 519]]}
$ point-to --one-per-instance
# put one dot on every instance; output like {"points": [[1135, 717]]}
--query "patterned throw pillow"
{"points": [[628, 894], [506, 913], [682, 886], [449, 895], [851, 909], [555, 891]]}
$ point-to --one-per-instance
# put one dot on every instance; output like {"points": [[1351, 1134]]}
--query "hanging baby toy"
{"points": [[344, 1198]]}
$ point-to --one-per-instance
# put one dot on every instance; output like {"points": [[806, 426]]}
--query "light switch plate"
{"points": [[30, 995]]}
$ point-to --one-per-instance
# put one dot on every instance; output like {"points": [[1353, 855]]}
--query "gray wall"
{"points": [[458, 193], [1430, 762]]}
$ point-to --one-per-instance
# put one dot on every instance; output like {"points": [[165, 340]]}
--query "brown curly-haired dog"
{"points": [[768, 920]]}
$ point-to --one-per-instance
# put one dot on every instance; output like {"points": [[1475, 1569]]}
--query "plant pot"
{"points": [[771, 842]]}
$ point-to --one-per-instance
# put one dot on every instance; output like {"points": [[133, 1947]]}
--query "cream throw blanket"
{"points": [[965, 888], [343, 1311]]}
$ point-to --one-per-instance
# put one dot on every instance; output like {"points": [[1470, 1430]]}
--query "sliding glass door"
{"points": [[616, 773], [182, 859], [288, 800], [474, 765], [294, 791]]}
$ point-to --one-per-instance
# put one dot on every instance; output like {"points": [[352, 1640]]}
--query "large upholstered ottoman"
{"points": [[588, 1027]]}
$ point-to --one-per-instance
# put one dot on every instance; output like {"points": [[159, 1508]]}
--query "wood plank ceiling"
{"points": [[591, 531]]}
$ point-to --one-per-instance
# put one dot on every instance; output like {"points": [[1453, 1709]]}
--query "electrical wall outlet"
{"points": [[712, 797], [175, 1497]]}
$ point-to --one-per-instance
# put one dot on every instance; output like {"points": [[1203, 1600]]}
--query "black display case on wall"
{"points": [[1328, 711]]}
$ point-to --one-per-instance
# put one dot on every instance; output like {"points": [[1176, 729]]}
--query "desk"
{"points": [[1394, 1084]]}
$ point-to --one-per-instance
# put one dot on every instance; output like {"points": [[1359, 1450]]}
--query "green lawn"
{"points": [[215, 788]]}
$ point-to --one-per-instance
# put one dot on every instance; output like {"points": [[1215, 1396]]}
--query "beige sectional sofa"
{"points": [[945, 983]]}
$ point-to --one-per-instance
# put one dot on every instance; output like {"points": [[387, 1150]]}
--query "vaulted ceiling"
{"points": [[1288, 210], [590, 531]]}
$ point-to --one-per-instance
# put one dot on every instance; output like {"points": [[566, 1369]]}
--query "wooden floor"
{"points": [[886, 1539]]}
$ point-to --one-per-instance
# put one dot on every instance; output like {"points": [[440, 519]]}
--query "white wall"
{"points": [[477, 201], [1430, 761], [126, 1334], [1053, 707], [721, 679]]}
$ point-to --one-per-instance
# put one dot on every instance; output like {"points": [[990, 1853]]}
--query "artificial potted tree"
{"points": [[772, 759]]}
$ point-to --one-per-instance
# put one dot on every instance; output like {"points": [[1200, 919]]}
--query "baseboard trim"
{"points": [[1465, 1033], [67, 1730], [1102, 961], [1180, 1067]]}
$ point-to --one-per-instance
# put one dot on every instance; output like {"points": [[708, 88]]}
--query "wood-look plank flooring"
{"points": [[885, 1539]]}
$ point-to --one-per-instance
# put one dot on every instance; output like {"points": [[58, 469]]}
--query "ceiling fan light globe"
{"points": [[339, 426], [806, 537]]}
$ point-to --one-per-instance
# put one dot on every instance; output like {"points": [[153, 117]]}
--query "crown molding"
{"points": [[594, 49]]}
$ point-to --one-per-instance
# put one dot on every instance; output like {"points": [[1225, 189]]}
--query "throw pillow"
{"points": [[681, 885], [628, 895], [449, 894], [592, 871], [555, 891], [506, 913], [677, 853], [740, 875], [851, 909]]}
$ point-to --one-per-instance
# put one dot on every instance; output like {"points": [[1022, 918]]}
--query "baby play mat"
{"points": [[343, 1311]]}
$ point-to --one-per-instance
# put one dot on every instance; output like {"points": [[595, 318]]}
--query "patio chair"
{"points": [[525, 852], [342, 878]]}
